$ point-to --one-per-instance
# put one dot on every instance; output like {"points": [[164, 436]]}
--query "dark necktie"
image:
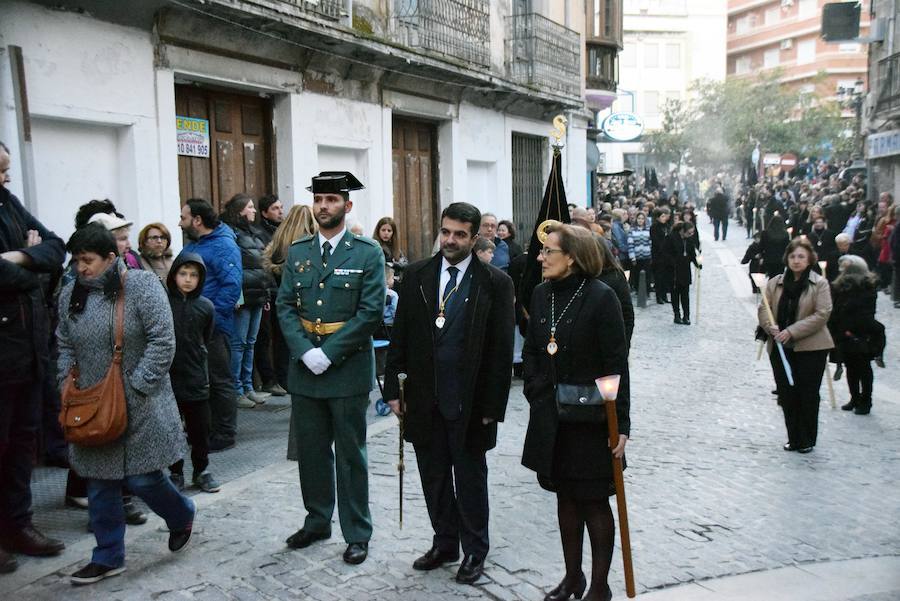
{"points": [[326, 253], [448, 289]]}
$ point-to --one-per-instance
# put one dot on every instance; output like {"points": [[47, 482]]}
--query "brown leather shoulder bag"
{"points": [[98, 415]]}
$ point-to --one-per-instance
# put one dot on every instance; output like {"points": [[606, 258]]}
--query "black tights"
{"points": [[597, 516]]}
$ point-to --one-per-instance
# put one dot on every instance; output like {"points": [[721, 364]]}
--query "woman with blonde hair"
{"points": [[298, 224], [154, 244]]}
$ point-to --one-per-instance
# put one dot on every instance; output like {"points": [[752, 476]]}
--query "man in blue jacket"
{"points": [[28, 251], [215, 243]]}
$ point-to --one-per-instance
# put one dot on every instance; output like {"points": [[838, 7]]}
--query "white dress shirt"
{"points": [[333, 241], [463, 266]]}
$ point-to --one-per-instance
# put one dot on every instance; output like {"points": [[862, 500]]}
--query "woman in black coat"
{"points": [[680, 252], [575, 335], [613, 276], [773, 242], [240, 214], [659, 231], [852, 322]]}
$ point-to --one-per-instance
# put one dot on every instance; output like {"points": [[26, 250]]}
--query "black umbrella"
{"points": [[553, 206]]}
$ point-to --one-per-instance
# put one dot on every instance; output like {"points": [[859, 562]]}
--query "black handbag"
{"points": [[579, 404]]}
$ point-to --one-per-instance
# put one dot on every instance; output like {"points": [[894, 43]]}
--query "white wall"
{"points": [[89, 83]]}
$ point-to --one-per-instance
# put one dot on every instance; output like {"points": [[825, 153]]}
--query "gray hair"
{"points": [[842, 237], [852, 264]]}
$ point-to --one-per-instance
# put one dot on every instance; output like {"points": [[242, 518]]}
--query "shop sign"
{"points": [[192, 135], [771, 158], [883, 144], [623, 127]]}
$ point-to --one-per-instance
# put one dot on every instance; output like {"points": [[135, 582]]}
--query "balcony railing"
{"points": [[541, 52], [888, 100], [458, 29], [331, 10]]}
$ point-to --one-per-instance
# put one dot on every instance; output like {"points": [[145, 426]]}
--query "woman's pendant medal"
{"points": [[552, 347], [439, 321]]}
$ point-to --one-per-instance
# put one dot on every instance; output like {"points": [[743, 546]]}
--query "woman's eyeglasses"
{"points": [[155, 238], [545, 252]]}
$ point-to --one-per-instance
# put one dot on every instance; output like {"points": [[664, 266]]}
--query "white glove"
{"points": [[316, 360]]}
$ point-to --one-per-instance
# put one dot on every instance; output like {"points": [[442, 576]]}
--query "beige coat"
{"points": [[810, 331]]}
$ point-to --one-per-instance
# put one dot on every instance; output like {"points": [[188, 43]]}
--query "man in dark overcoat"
{"points": [[27, 250], [453, 336]]}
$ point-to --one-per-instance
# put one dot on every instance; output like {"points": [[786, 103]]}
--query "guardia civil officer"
{"points": [[329, 303], [453, 336]]}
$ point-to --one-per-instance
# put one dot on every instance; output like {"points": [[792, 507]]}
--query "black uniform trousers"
{"points": [[800, 402], [454, 480], [681, 301]]}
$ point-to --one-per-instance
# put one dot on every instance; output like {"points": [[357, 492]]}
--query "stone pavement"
{"points": [[713, 500]]}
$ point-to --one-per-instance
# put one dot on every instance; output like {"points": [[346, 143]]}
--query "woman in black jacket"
{"points": [[659, 231], [773, 242], [679, 252], [612, 275], [852, 322], [575, 335], [240, 214]]}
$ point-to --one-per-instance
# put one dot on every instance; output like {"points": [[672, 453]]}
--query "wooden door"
{"points": [[241, 150], [415, 198]]}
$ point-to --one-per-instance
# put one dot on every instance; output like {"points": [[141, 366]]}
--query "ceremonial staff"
{"points": [[822, 266], [760, 280], [401, 379], [697, 270], [609, 390]]}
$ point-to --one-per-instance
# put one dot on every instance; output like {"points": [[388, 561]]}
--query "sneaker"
{"points": [[206, 482], [258, 398], [177, 481], [179, 539], [76, 502], [94, 572], [244, 402], [275, 389], [133, 515]]}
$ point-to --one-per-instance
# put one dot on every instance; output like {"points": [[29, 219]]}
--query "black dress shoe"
{"points": [[8, 563], [789, 447], [677, 320], [304, 538], [356, 553], [567, 588], [805, 450], [862, 409], [685, 322], [471, 570], [29, 541], [434, 558], [849, 406]]}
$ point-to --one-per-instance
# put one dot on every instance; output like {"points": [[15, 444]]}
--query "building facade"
{"points": [[881, 109], [765, 35], [668, 44], [428, 102]]}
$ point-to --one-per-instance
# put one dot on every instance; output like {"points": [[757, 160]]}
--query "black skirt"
{"points": [[582, 463], [594, 489]]}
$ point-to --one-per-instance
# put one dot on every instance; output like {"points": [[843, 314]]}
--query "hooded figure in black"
{"points": [[194, 318]]}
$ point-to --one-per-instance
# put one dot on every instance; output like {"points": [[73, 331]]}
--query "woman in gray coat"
{"points": [[154, 438]]}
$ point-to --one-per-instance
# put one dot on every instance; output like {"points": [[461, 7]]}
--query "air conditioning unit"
{"points": [[787, 44]]}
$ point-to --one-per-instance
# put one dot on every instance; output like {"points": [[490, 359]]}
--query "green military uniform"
{"points": [[342, 303]]}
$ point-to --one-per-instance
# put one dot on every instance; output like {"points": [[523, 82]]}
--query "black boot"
{"points": [[863, 407]]}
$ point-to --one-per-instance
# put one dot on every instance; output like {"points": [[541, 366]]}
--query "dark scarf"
{"points": [[110, 282], [789, 303]]}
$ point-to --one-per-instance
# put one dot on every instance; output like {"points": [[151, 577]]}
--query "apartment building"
{"points": [[765, 35], [881, 110], [151, 102], [668, 44]]}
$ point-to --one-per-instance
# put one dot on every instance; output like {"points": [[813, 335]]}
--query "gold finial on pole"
{"points": [[559, 129]]}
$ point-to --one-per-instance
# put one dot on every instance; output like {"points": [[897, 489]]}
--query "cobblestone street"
{"points": [[710, 491]]}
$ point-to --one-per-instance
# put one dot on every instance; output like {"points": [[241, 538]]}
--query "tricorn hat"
{"points": [[334, 182]]}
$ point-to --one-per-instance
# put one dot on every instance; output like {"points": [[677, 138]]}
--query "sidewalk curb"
{"points": [[842, 580]]}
